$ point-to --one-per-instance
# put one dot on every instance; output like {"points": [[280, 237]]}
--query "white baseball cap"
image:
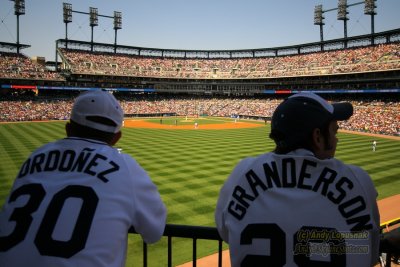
{"points": [[98, 110]]}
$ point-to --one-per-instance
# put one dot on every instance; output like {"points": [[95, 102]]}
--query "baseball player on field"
{"points": [[74, 199], [298, 205]]}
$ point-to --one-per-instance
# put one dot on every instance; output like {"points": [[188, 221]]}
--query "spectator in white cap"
{"points": [[75, 199], [298, 205], [96, 114]]}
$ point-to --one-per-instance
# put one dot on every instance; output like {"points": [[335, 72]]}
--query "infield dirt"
{"points": [[218, 126]]}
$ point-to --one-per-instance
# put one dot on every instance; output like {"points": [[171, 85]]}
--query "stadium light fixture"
{"points": [[93, 16], [67, 15], [342, 10], [19, 7], [369, 8], [117, 20], [117, 26], [319, 20], [67, 12], [93, 19], [342, 15], [318, 16]]}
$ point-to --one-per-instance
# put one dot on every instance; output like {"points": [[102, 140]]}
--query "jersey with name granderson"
{"points": [[297, 210]]}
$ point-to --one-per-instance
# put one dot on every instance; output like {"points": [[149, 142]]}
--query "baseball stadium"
{"points": [[191, 115]]}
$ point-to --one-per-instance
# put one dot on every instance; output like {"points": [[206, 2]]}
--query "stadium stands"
{"points": [[380, 117], [18, 66], [364, 59], [358, 67]]}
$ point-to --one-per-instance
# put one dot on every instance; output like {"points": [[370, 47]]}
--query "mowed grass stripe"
{"points": [[383, 165], [190, 166], [18, 140], [15, 142]]}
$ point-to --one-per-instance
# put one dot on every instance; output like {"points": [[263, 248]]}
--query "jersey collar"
{"points": [[301, 152], [94, 141]]}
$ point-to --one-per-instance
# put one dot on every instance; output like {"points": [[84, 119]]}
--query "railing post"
{"points": [[144, 254], [220, 253], [194, 260], [169, 251]]}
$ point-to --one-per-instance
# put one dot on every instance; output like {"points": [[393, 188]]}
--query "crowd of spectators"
{"points": [[370, 116], [13, 65], [371, 58], [361, 59], [32, 110], [382, 117], [375, 117]]}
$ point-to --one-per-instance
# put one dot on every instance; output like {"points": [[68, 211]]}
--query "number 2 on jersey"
{"points": [[278, 251]]}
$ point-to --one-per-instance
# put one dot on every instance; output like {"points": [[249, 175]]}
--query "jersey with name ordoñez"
{"points": [[72, 204]]}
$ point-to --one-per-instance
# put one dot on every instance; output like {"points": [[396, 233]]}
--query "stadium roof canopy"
{"points": [[13, 47], [349, 42]]}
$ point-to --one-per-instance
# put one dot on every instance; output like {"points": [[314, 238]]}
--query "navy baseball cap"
{"points": [[298, 115]]}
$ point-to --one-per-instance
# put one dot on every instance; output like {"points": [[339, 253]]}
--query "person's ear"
{"points": [[317, 140], [116, 138]]}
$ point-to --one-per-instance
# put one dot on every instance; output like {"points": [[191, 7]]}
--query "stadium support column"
{"points": [[91, 40], [117, 26], [321, 34], [66, 36], [56, 56], [19, 9], [93, 23], [115, 41], [372, 29]]}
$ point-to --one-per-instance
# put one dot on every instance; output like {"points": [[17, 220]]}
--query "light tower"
{"points": [[117, 26], [342, 15], [19, 9], [93, 19], [369, 9], [319, 20], [67, 14]]}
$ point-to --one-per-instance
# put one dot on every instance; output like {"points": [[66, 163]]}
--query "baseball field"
{"points": [[189, 165]]}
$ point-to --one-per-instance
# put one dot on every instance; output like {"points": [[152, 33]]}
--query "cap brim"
{"points": [[342, 111]]}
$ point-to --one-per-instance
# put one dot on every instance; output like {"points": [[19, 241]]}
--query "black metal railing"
{"points": [[385, 247], [210, 233], [185, 231]]}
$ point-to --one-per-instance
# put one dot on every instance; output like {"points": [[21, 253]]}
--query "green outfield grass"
{"points": [[189, 167]]}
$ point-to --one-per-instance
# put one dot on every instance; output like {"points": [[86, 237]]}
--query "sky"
{"points": [[190, 24]]}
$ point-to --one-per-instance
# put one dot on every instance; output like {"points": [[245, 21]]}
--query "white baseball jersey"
{"points": [[72, 204], [297, 210]]}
